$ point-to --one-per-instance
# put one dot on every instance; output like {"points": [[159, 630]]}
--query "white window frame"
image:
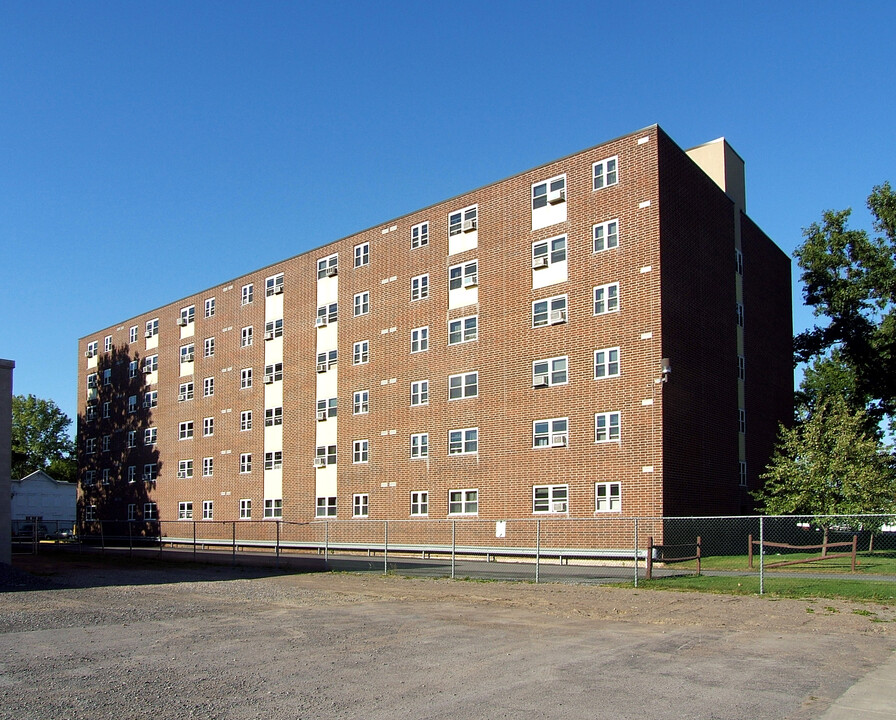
{"points": [[247, 336], [463, 502], [150, 436], [133, 368], [273, 460], [132, 334], [208, 427], [132, 512], [419, 446], [420, 287], [459, 385], [608, 427], [188, 315], [458, 218], [605, 236], [185, 469], [420, 235], [610, 501], [152, 328], [741, 368], [209, 307], [328, 407], [362, 254], [187, 353], [107, 343], [458, 274], [546, 499], [208, 510], [419, 503], [360, 505], [208, 467], [546, 249], [326, 264], [185, 510], [420, 393], [273, 416], [420, 339], [605, 173], [245, 463], [209, 347], [273, 508], [553, 304], [327, 452], [550, 369], [607, 363], [208, 387], [273, 329], [245, 378], [185, 391], [543, 193], [150, 511], [247, 294], [361, 304], [325, 506], [185, 430], [245, 509], [739, 313], [606, 299], [273, 285], [151, 399], [274, 371], [550, 433], [462, 329], [361, 402], [245, 420], [361, 352], [467, 437], [150, 472]]}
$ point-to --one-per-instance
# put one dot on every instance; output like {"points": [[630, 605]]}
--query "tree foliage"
{"points": [[830, 464], [40, 439]]}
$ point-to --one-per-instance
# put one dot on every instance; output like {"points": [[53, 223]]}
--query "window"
{"points": [[550, 498], [150, 472], [420, 392], [738, 262], [273, 460], [463, 502], [419, 235], [273, 372], [463, 330], [132, 473], [420, 503], [133, 368], [91, 381], [465, 385], [245, 509], [273, 285], [362, 254], [547, 252], [185, 430], [92, 349], [246, 336], [132, 512], [549, 312], [273, 508], [463, 275], [463, 220], [326, 360], [419, 287], [741, 420], [106, 443], [208, 387], [463, 442], [90, 513], [245, 463], [360, 451], [273, 416], [325, 455], [107, 376], [606, 363], [362, 303], [248, 294], [132, 334], [208, 427], [132, 438], [327, 314], [107, 343], [419, 446], [606, 173], [326, 408], [361, 402], [606, 235], [107, 409], [90, 415], [607, 497], [185, 469], [606, 427], [152, 328], [150, 363], [742, 472], [327, 267], [549, 372], [208, 467], [210, 307], [326, 507], [606, 299], [208, 512], [741, 367], [360, 505], [89, 477], [740, 314], [273, 329], [209, 347], [552, 191], [187, 315], [185, 392], [245, 420], [550, 433], [245, 378], [150, 511], [360, 352], [105, 476], [419, 339], [150, 435], [185, 511], [151, 399], [186, 353]]}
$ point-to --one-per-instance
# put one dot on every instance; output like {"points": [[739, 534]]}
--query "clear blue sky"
{"points": [[154, 149]]}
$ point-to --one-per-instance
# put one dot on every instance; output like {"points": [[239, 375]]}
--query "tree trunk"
{"points": [[824, 543]]}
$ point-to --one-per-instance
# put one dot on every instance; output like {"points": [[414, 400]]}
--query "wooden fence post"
{"points": [[649, 574]]}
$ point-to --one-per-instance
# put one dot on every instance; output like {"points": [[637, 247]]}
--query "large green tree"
{"points": [[40, 439]]}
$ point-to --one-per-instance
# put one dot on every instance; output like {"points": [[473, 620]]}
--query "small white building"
{"points": [[40, 498]]}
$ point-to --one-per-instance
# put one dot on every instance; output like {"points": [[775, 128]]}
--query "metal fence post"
{"points": [[761, 556], [537, 549], [636, 552], [326, 541], [385, 547], [277, 543], [233, 539], [194, 541], [453, 545]]}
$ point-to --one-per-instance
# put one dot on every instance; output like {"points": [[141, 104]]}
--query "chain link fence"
{"points": [[548, 549]]}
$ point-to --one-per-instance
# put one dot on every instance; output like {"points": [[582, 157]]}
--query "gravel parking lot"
{"points": [[87, 638]]}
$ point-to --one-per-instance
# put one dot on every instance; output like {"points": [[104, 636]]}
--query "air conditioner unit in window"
{"points": [[331, 271], [321, 414], [147, 403], [469, 226], [556, 196], [541, 381], [182, 321], [470, 281], [320, 462], [278, 289], [188, 357], [147, 369], [182, 474], [321, 321], [181, 397], [540, 262], [558, 316], [558, 440], [559, 506], [321, 367], [268, 379], [147, 334], [88, 353]]}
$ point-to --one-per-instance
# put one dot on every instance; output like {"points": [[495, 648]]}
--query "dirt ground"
{"points": [[93, 639]]}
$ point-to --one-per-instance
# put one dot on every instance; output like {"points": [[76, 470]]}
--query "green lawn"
{"points": [[875, 563]]}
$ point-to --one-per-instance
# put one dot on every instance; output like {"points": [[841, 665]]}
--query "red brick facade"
{"points": [[677, 446]]}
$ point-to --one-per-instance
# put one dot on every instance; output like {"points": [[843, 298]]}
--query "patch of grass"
{"points": [[790, 587], [879, 562]]}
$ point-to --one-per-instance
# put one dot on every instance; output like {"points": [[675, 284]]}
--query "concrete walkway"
{"points": [[871, 698]]}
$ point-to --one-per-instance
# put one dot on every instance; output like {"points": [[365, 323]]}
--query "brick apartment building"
{"points": [[608, 333]]}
